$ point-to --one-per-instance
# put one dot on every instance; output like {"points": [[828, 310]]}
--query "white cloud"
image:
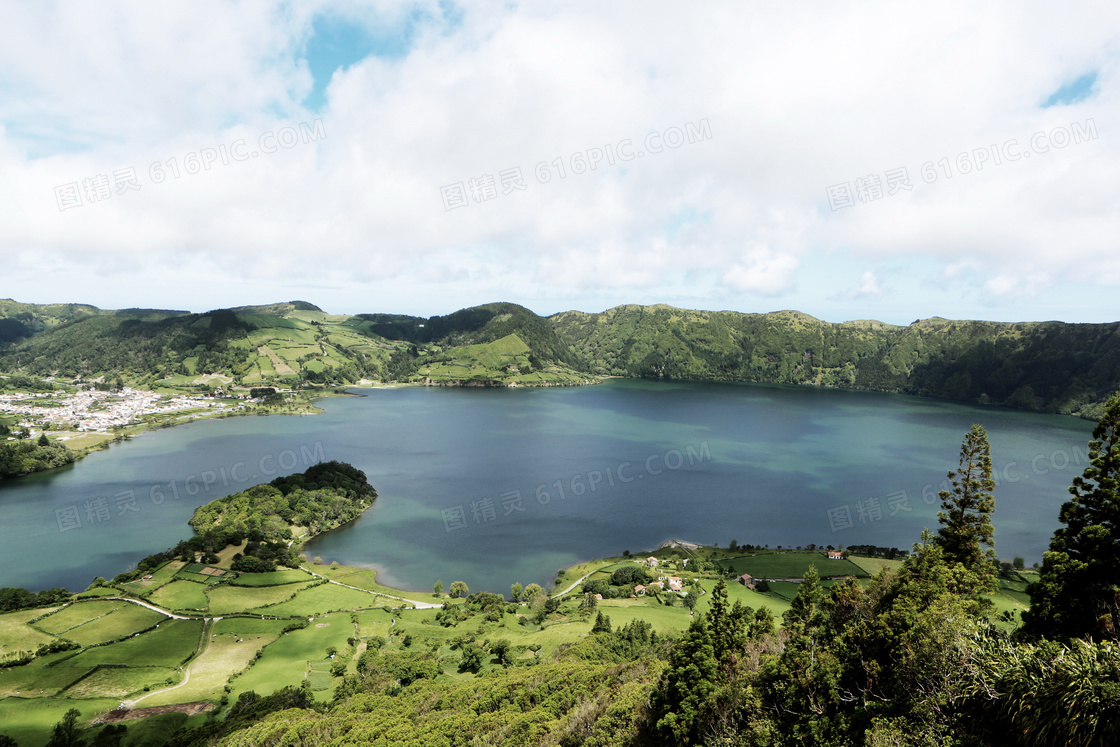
{"points": [[762, 271], [796, 101], [869, 287]]}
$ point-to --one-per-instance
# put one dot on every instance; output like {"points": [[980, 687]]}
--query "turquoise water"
{"points": [[492, 486]]}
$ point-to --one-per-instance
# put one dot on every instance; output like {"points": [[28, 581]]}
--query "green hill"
{"points": [[1041, 366], [1044, 366]]}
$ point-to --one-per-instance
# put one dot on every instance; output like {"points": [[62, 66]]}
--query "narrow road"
{"points": [[575, 584], [152, 607]]}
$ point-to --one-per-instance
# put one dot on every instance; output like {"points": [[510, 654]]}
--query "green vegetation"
{"points": [[791, 565], [25, 457], [1078, 590], [922, 652], [326, 496], [1044, 366]]}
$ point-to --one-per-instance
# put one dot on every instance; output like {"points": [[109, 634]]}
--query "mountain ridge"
{"points": [[1048, 366]]}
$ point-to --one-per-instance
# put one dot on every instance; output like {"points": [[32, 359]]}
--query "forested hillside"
{"points": [[1044, 366]]}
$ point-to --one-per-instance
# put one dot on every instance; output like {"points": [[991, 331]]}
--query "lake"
{"points": [[492, 486]]}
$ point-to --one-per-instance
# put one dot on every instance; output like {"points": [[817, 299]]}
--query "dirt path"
{"points": [[152, 607], [200, 651]]}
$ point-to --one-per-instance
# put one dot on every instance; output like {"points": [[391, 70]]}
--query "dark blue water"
{"points": [[492, 486]]}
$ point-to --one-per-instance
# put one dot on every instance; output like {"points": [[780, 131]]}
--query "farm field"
{"points": [[366, 578], [228, 650], [226, 599], [17, 635], [791, 565], [181, 595], [285, 661], [325, 598], [166, 646], [117, 682], [30, 721], [77, 614], [124, 621], [874, 565], [277, 578]]}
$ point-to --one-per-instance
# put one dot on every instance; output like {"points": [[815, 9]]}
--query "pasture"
{"points": [[325, 598], [181, 595]]}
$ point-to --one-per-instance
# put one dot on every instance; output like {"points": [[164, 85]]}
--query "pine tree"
{"points": [[1077, 592], [602, 624], [966, 512]]}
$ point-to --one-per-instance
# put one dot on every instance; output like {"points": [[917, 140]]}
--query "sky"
{"points": [[872, 160]]}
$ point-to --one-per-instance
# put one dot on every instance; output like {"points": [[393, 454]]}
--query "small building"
{"points": [[835, 555], [747, 580], [651, 562], [640, 590], [598, 596], [684, 563], [660, 586], [675, 583]]}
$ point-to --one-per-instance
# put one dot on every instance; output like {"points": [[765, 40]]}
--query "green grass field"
{"points": [[27, 681], [77, 614], [166, 646], [16, 635], [117, 682], [225, 599], [228, 650], [181, 595], [325, 598], [366, 578], [874, 565], [285, 661], [29, 722], [277, 578], [117, 624], [374, 622], [791, 565]]}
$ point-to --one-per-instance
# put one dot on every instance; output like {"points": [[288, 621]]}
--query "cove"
{"points": [[492, 486]]}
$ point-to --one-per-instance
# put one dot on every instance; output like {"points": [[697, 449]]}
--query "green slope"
{"points": [[1044, 366]]}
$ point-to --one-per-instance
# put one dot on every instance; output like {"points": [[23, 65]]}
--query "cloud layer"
{"points": [[720, 156]]}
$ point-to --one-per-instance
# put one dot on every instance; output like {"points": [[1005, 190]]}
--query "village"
{"points": [[100, 411]]}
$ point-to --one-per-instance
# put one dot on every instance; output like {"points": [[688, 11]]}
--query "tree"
{"points": [[43, 440], [6, 741], [459, 589], [1077, 592], [687, 687], [966, 511], [472, 656], [532, 591], [438, 588], [602, 624], [692, 598], [502, 649], [516, 591], [66, 732], [1018, 563]]}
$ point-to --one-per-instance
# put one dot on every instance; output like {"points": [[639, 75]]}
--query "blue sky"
{"points": [[873, 160]]}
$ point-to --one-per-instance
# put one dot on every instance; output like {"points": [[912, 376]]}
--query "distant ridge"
{"points": [[1041, 366]]}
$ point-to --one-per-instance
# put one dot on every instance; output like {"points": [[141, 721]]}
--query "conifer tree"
{"points": [[966, 535], [1077, 592]]}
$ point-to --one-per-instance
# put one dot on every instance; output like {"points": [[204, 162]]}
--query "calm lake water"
{"points": [[492, 486]]}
